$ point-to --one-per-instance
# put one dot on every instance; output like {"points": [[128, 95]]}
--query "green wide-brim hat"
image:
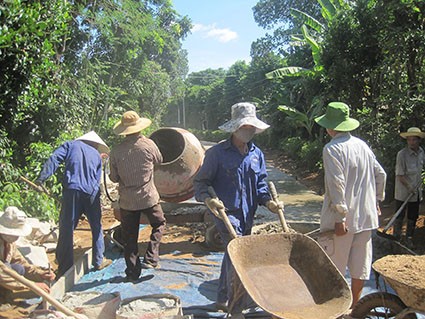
{"points": [[337, 118]]}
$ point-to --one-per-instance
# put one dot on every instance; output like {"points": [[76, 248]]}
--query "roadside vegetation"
{"points": [[70, 67]]}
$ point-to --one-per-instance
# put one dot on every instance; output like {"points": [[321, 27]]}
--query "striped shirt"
{"points": [[132, 166]]}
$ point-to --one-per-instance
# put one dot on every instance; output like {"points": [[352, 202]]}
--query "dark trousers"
{"points": [[412, 210], [130, 221], [74, 204], [412, 216]]}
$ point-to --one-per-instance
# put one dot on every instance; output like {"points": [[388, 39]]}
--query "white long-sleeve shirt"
{"points": [[354, 183]]}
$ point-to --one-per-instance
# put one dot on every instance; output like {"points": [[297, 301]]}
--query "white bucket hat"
{"points": [[13, 222], [413, 131], [93, 137], [243, 114]]}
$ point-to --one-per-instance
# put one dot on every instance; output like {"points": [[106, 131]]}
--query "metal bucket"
{"points": [[183, 156]]}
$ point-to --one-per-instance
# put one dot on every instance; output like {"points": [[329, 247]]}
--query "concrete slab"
{"points": [[72, 276]]}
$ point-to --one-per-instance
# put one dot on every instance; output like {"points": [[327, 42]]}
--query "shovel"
{"points": [[383, 233]]}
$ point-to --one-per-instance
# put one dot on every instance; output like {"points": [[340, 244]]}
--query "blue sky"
{"points": [[222, 32]]}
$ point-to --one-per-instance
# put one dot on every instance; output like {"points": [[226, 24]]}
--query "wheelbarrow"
{"points": [[404, 274], [288, 275]]}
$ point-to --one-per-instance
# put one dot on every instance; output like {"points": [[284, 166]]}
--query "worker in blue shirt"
{"points": [[236, 169], [81, 194]]}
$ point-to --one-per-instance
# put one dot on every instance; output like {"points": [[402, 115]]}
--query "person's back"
{"points": [[132, 166], [80, 195], [83, 167], [354, 183], [133, 163], [358, 182]]}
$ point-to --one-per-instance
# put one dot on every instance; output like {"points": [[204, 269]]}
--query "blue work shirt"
{"points": [[83, 166], [238, 179]]}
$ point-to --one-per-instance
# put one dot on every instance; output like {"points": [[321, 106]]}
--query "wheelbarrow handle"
{"points": [[223, 214], [273, 193]]}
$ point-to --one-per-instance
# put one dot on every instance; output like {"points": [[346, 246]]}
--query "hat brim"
{"points": [[93, 137], [417, 134], [345, 126], [25, 230], [140, 125], [233, 125]]}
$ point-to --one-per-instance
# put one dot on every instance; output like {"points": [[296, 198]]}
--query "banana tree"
{"points": [[302, 119], [312, 31]]}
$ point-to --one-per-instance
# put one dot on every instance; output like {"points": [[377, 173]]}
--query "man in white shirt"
{"points": [[354, 185], [408, 182]]}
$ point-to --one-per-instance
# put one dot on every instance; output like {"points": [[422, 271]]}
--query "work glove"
{"points": [[214, 204], [274, 206]]}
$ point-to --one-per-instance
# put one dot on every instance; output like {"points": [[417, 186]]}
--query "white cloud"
{"points": [[211, 31]]}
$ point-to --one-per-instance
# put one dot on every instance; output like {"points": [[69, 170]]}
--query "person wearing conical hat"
{"points": [[14, 224], [236, 169], [354, 185], [81, 195], [132, 164], [408, 182]]}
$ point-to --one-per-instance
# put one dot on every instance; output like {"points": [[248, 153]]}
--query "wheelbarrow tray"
{"points": [[290, 276], [405, 274]]}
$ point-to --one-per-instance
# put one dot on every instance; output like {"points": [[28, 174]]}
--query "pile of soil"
{"points": [[406, 269]]}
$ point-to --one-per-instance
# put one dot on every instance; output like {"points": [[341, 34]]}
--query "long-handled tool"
{"points": [[397, 213], [31, 285], [273, 192], [223, 215], [40, 189], [383, 233]]}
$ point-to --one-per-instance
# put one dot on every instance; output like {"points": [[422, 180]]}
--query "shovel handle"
{"points": [[31, 285], [273, 192], [397, 213], [38, 188], [223, 214]]}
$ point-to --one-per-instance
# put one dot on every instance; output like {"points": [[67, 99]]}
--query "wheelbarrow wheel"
{"points": [[213, 238], [379, 305], [117, 235]]}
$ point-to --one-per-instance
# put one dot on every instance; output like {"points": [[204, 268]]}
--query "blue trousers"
{"points": [[16, 267], [230, 288], [74, 204]]}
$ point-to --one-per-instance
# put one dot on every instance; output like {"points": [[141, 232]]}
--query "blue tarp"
{"points": [[191, 277], [194, 280]]}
